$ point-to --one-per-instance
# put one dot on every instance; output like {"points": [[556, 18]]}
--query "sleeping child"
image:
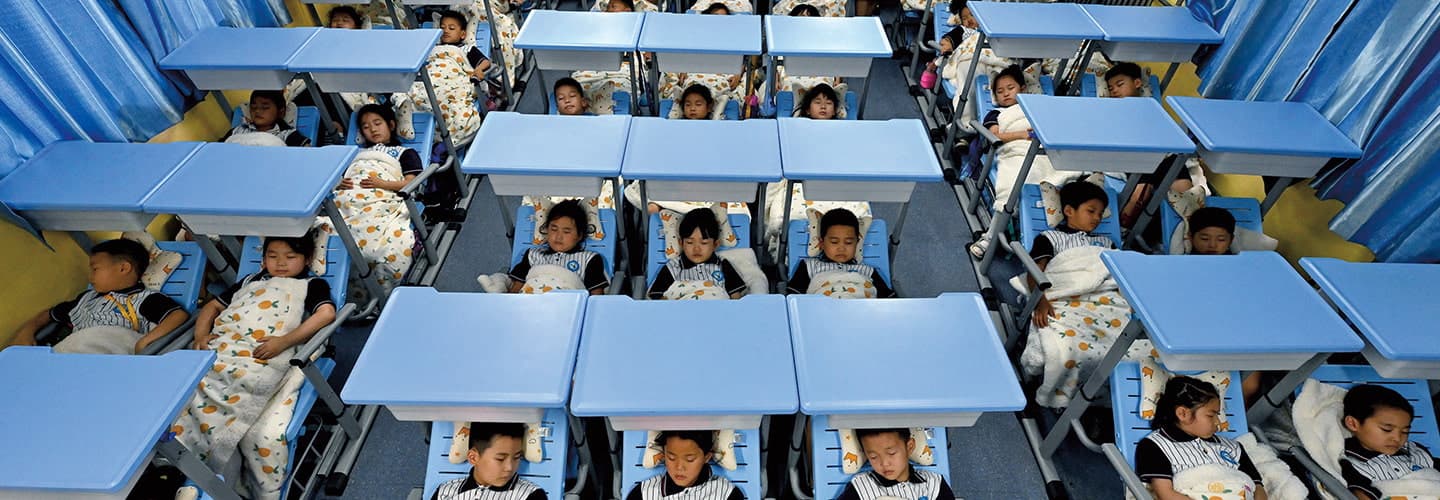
{"points": [[267, 116], [1008, 123], [892, 475], [687, 456], [506, 30], [1184, 458], [837, 272], [369, 200], [1127, 79], [957, 65], [563, 262], [698, 273], [1212, 230], [1380, 453], [255, 328], [570, 98], [821, 102], [697, 103], [494, 453], [451, 66]]}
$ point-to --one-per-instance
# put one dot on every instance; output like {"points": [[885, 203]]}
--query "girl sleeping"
{"points": [[368, 197], [562, 263], [698, 273], [1008, 123]]}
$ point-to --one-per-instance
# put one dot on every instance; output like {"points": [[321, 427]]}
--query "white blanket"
{"points": [[256, 139], [1423, 484], [99, 340], [378, 218], [450, 72], [1280, 483], [842, 285], [1317, 414], [1214, 482], [1011, 157], [542, 278]]}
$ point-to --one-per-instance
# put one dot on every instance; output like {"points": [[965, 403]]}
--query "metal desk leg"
{"points": [[195, 469], [1084, 396], [1263, 407], [789, 195], [1169, 74], [1002, 218], [1276, 191], [864, 92], [319, 98], [222, 264], [357, 259]]}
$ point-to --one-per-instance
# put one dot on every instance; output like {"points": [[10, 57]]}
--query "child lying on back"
{"points": [[839, 241]]}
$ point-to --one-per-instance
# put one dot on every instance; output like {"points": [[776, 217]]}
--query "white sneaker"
{"points": [[978, 248]]}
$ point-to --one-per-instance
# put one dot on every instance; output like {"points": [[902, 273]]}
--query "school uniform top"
{"points": [[993, 117], [1052, 242], [706, 487], [585, 263], [1362, 468], [810, 267], [317, 292], [281, 129], [410, 163], [1169, 451], [923, 484], [467, 488], [681, 269], [132, 307]]}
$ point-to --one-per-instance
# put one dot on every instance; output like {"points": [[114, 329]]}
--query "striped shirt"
{"points": [[467, 488], [706, 487], [810, 267], [922, 485], [133, 307], [585, 263], [1362, 468], [679, 269], [1055, 241], [1170, 451]]}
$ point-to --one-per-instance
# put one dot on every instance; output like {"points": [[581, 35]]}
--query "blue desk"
{"points": [[826, 46], [472, 357], [1390, 305], [1154, 34], [548, 154], [85, 186], [949, 337], [341, 60], [687, 43], [1034, 30], [679, 166], [1066, 127], [709, 364], [239, 58], [580, 40], [252, 190], [80, 424], [1284, 139], [857, 160]]}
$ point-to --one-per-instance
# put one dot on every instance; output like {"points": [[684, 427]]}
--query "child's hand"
{"points": [[369, 182], [202, 341], [346, 183], [1043, 312], [270, 346]]}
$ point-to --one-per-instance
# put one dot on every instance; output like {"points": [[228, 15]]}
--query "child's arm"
{"points": [[1044, 310], [882, 290], [1247, 466], [204, 321], [519, 273], [596, 281], [734, 283], [1010, 136], [163, 328], [26, 334], [849, 493], [1260, 492], [663, 280], [275, 344], [800, 280]]}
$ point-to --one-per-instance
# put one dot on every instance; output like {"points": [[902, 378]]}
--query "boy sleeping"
{"points": [[837, 272]]}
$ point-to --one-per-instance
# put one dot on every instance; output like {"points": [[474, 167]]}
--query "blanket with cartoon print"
{"points": [[379, 219]]}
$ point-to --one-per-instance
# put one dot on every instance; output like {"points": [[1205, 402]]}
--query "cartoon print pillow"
{"points": [[670, 226], [542, 205], [724, 450], [852, 456], [813, 248], [1050, 199], [1153, 377], [162, 262]]}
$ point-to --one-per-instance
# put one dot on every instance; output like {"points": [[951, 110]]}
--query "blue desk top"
{"points": [[694, 34], [1391, 304], [258, 181], [826, 36], [519, 144], [98, 435], [239, 49], [859, 150], [1252, 303], [1278, 128], [689, 357], [121, 175], [517, 349], [1150, 24], [949, 337], [1069, 123], [702, 150], [1063, 21], [366, 51], [600, 31]]}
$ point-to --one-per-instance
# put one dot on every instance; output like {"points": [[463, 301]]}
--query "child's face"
{"points": [[569, 101], [281, 261], [1202, 422], [888, 455], [821, 108], [1085, 217], [1385, 431], [450, 31], [108, 273], [838, 243], [343, 21], [696, 108], [945, 46], [1123, 86], [683, 461], [1211, 241], [561, 234], [618, 7], [697, 247], [1006, 88], [968, 20], [497, 464], [264, 113], [375, 129]]}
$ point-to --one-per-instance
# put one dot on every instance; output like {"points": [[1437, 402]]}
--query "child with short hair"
{"points": [[570, 98], [1380, 449], [687, 470], [839, 239], [495, 453], [1185, 423], [1008, 123], [267, 115], [699, 234], [453, 26], [115, 299], [1083, 205], [566, 228], [369, 197], [377, 124], [821, 102], [344, 17], [892, 475], [1124, 79], [1212, 231], [697, 103]]}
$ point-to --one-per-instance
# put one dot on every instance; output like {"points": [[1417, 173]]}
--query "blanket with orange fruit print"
{"points": [[378, 218]]}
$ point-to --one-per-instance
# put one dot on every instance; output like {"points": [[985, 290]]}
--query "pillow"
{"points": [[852, 458], [535, 433], [1050, 199], [542, 205], [1185, 204], [745, 263], [162, 262], [813, 249], [1153, 377], [322, 244], [800, 86], [670, 226], [724, 450]]}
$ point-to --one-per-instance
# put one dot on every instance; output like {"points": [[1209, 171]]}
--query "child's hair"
{"points": [[1212, 217], [704, 439], [386, 113], [458, 17], [861, 434], [345, 10], [568, 82], [805, 9], [276, 97], [954, 36], [1076, 193], [570, 209], [1014, 72], [125, 250], [1363, 400], [702, 219], [838, 217], [716, 7], [700, 90], [483, 433], [1182, 391], [821, 89], [303, 245], [1128, 69], [628, 3], [958, 5]]}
